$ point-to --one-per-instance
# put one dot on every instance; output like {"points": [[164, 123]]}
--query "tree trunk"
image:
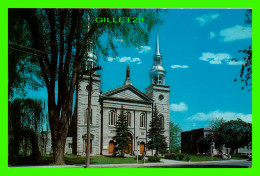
{"points": [[59, 150]]}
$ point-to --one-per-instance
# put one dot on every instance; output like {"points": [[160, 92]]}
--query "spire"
{"points": [[157, 45], [127, 79], [157, 72]]}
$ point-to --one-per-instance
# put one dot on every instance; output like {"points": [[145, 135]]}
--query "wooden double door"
{"points": [[86, 144]]}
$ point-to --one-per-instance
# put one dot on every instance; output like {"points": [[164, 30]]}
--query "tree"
{"points": [[217, 135], [246, 69], [175, 137], [60, 40], [234, 134], [157, 140], [21, 73], [25, 122], [123, 136]]}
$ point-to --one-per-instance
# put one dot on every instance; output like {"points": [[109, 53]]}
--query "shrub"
{"points": [[153, 159], [187, 157], [170, 156], [180, 156]]}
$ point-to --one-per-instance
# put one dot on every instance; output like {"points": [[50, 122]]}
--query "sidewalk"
{"points": [[164, 162]]}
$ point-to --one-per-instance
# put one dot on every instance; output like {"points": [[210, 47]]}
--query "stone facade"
{"points": [[137, 105], [105, 108]]}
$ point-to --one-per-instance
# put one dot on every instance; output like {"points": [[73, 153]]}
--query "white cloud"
{"points": [[125, 59], [213, 58], [219, 58], [144, 49], [110, 59], [179, 107], [179, 66], [212, 35], [118, 40], [200, 116], [206, 18], [236, 33], [235, 63]]}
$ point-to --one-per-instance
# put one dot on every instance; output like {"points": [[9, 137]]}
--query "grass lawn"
{"points": [[73, 159], [204, 158], [215, 158]]}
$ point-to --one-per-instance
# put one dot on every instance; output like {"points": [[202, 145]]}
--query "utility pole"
{"points": [[89, 88]]}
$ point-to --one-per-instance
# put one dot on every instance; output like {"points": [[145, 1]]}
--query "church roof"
{"points": [[127, 92]]}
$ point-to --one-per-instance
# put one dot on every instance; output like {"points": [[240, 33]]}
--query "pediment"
{"points": [[127, 92]]}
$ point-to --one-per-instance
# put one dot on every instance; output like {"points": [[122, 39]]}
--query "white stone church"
{"points": [[106, 106]]}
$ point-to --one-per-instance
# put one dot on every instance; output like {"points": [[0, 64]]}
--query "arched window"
{"points": [[142, 120], [162, 121], [128, 118], [160, 80], [112, 117], [86, 116]]}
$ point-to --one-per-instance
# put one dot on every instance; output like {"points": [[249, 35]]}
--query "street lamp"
{"points": [[137, 150]]}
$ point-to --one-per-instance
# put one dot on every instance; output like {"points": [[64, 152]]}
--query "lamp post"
{"points": [[137, 150], [90, 71]]}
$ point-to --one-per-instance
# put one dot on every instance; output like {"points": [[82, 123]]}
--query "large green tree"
{"points": [[60, 38], [233, 134], [175, 137], [21, 68], [25, 123], [157, 140], [123, 136]]}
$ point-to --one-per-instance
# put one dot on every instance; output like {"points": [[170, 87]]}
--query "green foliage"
{"points": [[246, 69], [233, 133], [154, 159], [170, 156], [25, 123], [175, 137], [187, 157], [155, 134], [178, 156], [236, 133], [58, 41], [123, 136]]}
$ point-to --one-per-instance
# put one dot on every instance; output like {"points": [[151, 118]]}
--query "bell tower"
{"points": [[158, 91], [157, 72], [91, 60]]}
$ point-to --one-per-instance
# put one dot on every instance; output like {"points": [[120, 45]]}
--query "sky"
{"points": [[197, 46]]}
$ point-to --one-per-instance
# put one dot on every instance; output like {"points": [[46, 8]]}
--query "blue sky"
{"points": [[197, 46]]}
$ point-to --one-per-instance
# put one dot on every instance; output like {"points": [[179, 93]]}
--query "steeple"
{"points": [[127, 79], [157, 45], [157, 72], [91, 57]]}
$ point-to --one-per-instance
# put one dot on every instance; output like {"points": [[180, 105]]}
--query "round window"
{"points": [[161, 97]]}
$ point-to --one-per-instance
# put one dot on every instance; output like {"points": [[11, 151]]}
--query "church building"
{"points": [[105, 108]]}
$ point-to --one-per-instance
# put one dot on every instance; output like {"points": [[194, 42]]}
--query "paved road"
{"points": [[182, 164], [163, 164]]}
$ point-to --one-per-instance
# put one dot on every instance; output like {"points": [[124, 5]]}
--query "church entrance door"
{"points": [[90, 150], [111, 147], [142, 147]]}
